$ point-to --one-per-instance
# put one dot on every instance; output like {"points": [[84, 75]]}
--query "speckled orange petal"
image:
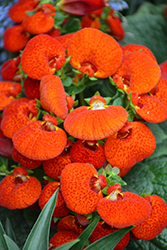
{"points": [[137, 47], [151, 109], [15, 38], [11, 108], [61, 238], [88, 152], [102, 229], [155, 223], [80, 8], [15, 121], [17, 11], [52, 96], [76, 188], [129, 209], [45, 144], [95, 124], [139, 71], [160, 91], [69, 223], [54, 167], [19, 190], [124, 150], [92, 47], [40, 55], [60, 208], [64, 40], [38, 23], [8, 92], [24, 161]]}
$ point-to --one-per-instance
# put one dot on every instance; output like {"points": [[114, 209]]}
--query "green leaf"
{"points": [[84, 236], [9, 230], [148, 27], [157, 132], [72, 25], [10, 243], [110, 241], [3, 245], [74, 89], [67, 81], [39, 235], [67, 246]]}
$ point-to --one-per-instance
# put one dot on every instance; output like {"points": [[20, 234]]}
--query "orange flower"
{"points": [[90, 20], [21, 117], [24, 161], [17, 11], [42, 56], [151, 109], [60, 208], [155, 223], [31, 88], [70, 223], [6, 144], [10, 109], [92, 52], [139, 72], [54, 167], [96, 121], [19, 190], [9, 69], [40, 22], [129, 145], [54, 32], [52, 96], [64, 40], [115, 26], [137, 47], [160, 91], [80, 187], [88, 152], [80, 8], [46, 139], [102, 229], [15, 38], [123, 209], [61, 238], [8, 92]]}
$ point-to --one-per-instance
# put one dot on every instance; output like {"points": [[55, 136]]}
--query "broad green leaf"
{"points": [[72, 25], [74, 89], [67, 81], [39, 235], [10, 243], [9, 230], [67, 246], [149, 29], [84, 236], [110, 241], [3, 245]]}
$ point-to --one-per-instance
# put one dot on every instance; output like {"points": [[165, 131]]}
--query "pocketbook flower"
{"points": [[96, 121], [94, 52]]}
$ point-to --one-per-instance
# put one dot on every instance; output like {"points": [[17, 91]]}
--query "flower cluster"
{"points": [[79, 148]]}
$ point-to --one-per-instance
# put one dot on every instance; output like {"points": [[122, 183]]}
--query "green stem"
{"points": [[81, 98]]}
